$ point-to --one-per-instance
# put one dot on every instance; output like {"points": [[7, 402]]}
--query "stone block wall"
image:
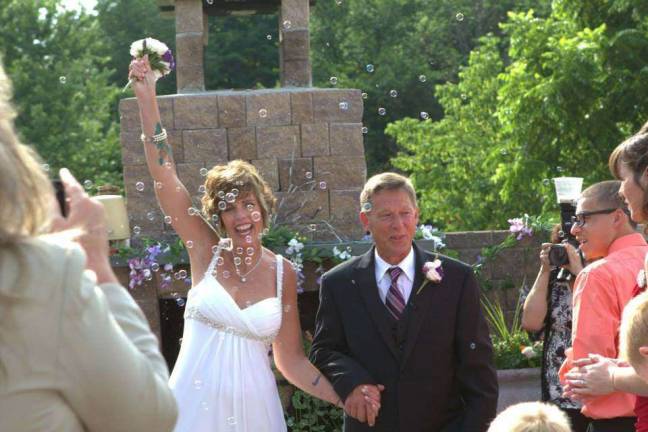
{"points": [[300, 138]]}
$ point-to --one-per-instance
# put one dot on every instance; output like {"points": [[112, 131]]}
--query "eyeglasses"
{"points": [[580, 219]]}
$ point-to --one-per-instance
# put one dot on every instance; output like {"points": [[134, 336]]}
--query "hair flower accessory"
{"points": [[433, 272], [159, 56]]}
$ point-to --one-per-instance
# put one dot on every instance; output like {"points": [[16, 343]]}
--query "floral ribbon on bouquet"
{"points": [[159, 56]]}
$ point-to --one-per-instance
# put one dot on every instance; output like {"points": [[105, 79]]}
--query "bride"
{"points": [[243, 297]]}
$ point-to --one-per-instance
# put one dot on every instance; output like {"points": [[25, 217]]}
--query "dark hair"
{"points": [[633, 154], [606, 194]]}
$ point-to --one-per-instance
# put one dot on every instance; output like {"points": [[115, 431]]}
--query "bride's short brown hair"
{"points": [[244, 177]]}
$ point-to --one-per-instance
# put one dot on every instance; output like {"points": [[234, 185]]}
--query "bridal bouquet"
{"points": [[159, 56]]}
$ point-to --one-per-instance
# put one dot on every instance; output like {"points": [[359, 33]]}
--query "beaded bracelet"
{"points": [[155, 138]]}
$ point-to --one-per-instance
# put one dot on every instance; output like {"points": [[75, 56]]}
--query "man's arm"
{"points": [[475, 369], [329, 351]]}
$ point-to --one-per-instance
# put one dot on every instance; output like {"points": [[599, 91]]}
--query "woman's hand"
{"points": [[575, 265], [545, 266], [142, 78], [86, 221]]}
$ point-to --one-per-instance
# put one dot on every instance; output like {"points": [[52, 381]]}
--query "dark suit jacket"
{"points": [[435, 363]]}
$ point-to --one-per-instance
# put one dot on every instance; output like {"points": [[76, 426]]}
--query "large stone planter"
{"points": [[518, 385]]}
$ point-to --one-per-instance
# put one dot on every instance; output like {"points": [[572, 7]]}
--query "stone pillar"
{"points": [[294, 44], [190, 39]]}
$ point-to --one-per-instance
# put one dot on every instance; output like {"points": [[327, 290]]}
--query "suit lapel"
{"points": [[419, 304], [365, 278]]}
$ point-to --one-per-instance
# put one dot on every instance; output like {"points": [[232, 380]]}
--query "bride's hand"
{"points": [[142, 77]]}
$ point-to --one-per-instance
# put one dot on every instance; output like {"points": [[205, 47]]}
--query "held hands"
{"points": [[363, 403], [590, 377]]}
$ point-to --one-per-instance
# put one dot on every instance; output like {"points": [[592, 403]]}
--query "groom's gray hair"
{"points": [[385, 181]]}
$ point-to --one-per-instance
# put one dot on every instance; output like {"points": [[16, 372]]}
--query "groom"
{"points": [[379, 325]]}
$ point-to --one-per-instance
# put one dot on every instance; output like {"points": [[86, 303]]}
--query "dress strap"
{"points": [[279, 276], [212, 264]]}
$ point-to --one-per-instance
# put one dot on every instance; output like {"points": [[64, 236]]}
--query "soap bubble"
{"points": [[248, 239], [203, 171], [364, 95], [222, 205], [226, 274], [249, 251], [459, 16], [247, 261], [183, 274], [365, 129], [269, 37], [256, 216], [87, 184], [344, 106], [220, 261], [263, 113], [155, 266], [333, 80], [46, 167], [370, 68], [167, 220], [424, 115], [237, 261], [192, 211], [382, 111], [366, 207], [202, 189], [393, 93], [180, 302], [239, 250], [139, 186], [308, 175], [322, 185], [62, 79], [235, 192], [230, 198], [422, 78], [221, 194], [287, 24], [546, 182], [150, 216], [137, 230]]}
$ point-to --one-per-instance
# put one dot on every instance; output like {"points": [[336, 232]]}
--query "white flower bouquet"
{"points": [[159, 56]]}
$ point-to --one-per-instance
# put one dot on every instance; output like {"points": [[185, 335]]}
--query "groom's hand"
{"points": [[363, 403]]}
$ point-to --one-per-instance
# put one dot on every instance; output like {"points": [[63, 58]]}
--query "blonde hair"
{"points": [[634, 329], [244, 177], [531, 417], [386, 181], [25, 190]]}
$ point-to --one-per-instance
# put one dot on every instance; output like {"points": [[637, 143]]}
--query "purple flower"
{"points": [[519, 226], [168, 57]]}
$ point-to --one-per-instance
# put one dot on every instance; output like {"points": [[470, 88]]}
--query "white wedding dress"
{"points": [[222, 379]]}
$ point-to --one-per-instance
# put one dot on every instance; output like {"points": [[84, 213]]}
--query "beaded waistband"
{"points": [[195, 314]]}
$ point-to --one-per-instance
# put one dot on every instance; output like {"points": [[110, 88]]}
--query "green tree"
{"points": [[403, 40], [556, 104], [57, 62]]}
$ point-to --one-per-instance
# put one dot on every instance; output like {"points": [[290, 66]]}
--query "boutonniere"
{"points": [[433, 272]]}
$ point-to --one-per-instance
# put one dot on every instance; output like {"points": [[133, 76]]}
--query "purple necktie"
{"points": [[394, 301]]}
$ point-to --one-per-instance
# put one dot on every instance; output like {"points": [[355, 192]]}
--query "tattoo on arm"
{"points": [[317, 379], [163, 147]]}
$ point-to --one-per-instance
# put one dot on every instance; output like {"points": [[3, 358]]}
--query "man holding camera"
{"points": [[608, 240]]}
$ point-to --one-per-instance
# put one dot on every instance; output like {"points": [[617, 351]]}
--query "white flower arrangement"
{"points": [[159, 56]]}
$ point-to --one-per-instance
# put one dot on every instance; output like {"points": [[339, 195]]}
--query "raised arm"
{"points": [[171, 194], [534, 311]]}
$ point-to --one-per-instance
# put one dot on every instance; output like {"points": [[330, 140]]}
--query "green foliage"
{"points": [[58, 62], [509, 342], [402, 39], [566, 92], [310, 414]]}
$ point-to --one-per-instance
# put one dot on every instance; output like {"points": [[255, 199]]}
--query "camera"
{"points": [[558, 255], [60, 196]]}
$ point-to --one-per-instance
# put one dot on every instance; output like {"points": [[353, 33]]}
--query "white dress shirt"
{"points": [[404, 282]]}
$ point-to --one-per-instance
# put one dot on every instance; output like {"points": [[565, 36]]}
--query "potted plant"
{"points": [[516, 357]]}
